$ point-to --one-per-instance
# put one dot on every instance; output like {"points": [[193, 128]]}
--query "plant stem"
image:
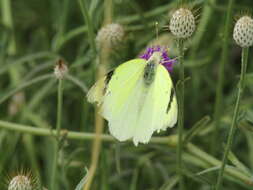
{"points": [[62, 20], [181, 114], [91, 35], [8, 22], [212, 161], [25, 85], [58, 130], [152, 13], [103, 57], [206, 16], [77, 82], [43, 131], [27, 59], [234, 119], [219, 94], [170, 141]]}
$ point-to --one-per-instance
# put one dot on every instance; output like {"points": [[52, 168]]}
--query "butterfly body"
{"points": [[137, 99], [149, 73]]}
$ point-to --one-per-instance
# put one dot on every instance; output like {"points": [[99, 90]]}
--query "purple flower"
{"points": [[165, 61]]}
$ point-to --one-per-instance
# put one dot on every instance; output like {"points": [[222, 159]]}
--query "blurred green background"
{"points": [[34, 34]]}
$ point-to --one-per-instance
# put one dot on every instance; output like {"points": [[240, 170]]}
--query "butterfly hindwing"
{"points": [[168, 97], [155, 113], [96, 93]]}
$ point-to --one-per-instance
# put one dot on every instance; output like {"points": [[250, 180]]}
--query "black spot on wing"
{"points": [[170, 100], [108, 77]]}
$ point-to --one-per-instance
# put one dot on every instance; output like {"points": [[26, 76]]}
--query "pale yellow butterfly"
{"points": [[138, 97]]}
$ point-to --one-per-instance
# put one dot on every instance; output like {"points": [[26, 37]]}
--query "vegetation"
{"points": [[52, 52]]}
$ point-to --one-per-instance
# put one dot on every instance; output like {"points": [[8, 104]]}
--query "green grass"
{"points": [[35, 34]]}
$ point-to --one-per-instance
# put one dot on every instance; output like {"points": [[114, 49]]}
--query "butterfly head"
{"points": [[159, 55], [156, 57]]}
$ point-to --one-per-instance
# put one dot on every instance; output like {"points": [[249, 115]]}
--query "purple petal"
{"points": [[166, 61]]}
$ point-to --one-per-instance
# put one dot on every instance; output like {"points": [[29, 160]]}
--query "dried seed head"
{"points": [[110, 35], [60, 69], [182, 23], [243, 31], [20, 182]]}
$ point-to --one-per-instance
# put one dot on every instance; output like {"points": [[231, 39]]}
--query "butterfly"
{"points": [[137, 98]]}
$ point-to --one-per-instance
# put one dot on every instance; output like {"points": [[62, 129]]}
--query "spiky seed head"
{"points": [[182, 23], [243, 31], [110, 35], [60, 69], [20, 182]]}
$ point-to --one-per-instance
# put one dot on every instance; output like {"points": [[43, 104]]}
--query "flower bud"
{"points": [[243, 31], [20, 182], [110, 35], [182, 23], [60, 69]]}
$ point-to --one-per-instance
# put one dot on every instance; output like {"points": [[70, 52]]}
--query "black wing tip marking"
{"points": [[108, 77], [172, 94]]}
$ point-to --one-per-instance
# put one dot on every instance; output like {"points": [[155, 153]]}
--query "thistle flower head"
{"points": [[182, 23], [110, 35], [20, 182], [243, 31], [60, 69], [165, 61]]}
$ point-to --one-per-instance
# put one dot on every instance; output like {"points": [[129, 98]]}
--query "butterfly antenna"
{"points": [[156, 30]]}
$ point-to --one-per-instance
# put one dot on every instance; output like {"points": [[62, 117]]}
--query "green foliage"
{"points": [[34, 34]]}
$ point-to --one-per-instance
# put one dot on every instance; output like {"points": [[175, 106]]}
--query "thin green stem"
{"points": [[206, 16], [77, 82], [170, 141], [11, 50], [234, 120], [195, 129], [212, 162], [103, 58], [154, 12], [181, 114], [25, 85], [59, 109], [70, 35], [58, 130], [91, 34], [134, 5], [62, 25], [38, 69], [8, 22], [224, 59], [27, 59]]}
